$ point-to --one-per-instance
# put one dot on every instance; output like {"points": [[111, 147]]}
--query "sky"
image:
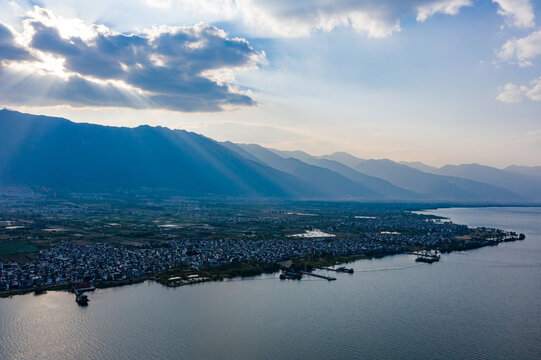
{"points": [[437, 81]]}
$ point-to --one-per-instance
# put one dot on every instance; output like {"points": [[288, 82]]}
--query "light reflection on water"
{"points": [[471, 305]]}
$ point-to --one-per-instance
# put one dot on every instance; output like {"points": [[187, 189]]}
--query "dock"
{"points": [[340, 269], [80, 298], [329, 278]]}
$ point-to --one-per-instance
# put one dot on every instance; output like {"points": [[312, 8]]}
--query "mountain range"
{"points": [[41, 151]]}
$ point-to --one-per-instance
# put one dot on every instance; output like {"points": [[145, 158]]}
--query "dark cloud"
{"points": [[163, 69], [9, 50], [43, 90]]}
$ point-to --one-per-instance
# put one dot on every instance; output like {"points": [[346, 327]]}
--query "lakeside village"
{"points": [[80, 267], [78, 242]]}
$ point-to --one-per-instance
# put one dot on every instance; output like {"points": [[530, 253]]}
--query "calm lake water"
{"points": [[480, 304]]}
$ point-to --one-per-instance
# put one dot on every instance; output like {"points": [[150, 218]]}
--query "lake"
{"points": [[480, 304]]}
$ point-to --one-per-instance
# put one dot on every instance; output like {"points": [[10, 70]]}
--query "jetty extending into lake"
{"points": [[339, 269], [329, 278]]}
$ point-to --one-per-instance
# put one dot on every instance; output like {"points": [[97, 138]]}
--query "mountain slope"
{"points": [[527, 186], [57, 153], [378, 185], [435, 187], [324, 180], [344, 158], [420, 166], [526, 170]]}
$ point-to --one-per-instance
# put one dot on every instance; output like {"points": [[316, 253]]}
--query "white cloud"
{"points": [[162, 4], [297, 21], [277, 18], [372, 17], [257, 18], [510, 93], [534, 92], [517, 13], [450, 7], [300, 18], [522, 50], [67, 27]]}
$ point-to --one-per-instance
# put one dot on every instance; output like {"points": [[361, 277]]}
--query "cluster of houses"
{"points": [[70, 262]]}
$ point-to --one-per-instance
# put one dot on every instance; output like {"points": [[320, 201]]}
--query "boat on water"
{"points": [[344, 270], [290, 275], [81, 299], [425, 259], [428, 256]]}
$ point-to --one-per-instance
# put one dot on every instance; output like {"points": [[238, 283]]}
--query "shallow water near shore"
{"points": [[479, 304]]}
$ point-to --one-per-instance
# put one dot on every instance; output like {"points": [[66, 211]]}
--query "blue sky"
{"points": [[440, 81]]}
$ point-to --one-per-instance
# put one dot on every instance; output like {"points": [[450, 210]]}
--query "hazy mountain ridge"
{"points": [[58, 153], [526, 170], [379, 185], [326, 181], [430, 185], [520, 182], [421, 166], [55, 152]]}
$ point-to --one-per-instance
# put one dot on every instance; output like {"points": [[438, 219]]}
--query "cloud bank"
{"points": [[301, 18], [56, 61]]}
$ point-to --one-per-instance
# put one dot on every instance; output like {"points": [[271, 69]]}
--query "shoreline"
{"points": [[177, 277]]}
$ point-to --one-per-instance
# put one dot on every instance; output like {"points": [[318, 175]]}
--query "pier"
{"points": [[329, 278], [340, 269], [80, 298]]}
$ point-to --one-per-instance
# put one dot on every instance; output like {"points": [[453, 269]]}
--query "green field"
{"points": [[16, 247]]}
